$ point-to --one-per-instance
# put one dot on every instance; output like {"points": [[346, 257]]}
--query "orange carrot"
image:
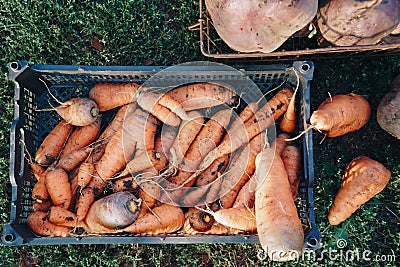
{"points": [[362, 180], [125, 184], [72, 160], [288, 121], [278, 225], [239, 172], [211, 173], [109, 96], [145, 160], [85, 174], [261, 120], [42, 206], [193, 196], [238, 218], [341, 114], [149, 191], [83, 203], [39, 224], [39, 192], [59, 188], [187, 133], [291, 157], [213, 193], [280, 142], [246, 196], [63, 217], [81, 137], [162, 219], [110, 130], [37, 170], [53, 143], [247, 113], [202, 95]]}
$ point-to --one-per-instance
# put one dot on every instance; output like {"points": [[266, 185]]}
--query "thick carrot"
{"points": [[72, 160], [361, 181], [239, 172], [110, 130], [216, 229], [291, 158], [238, 218], [278, 225], [85, 174], [125, 184], [63, 217], [81, 137], [193, 196], [39, 192], [53, 143], [162, 219], [288, 121], [341, 114], [280, 143], [202, 95], [109, 96], [186, 134], [211, 173], [37, 170], [142, 128], [59, 188], [261, 120], [38, 222], [83, 203], [42, 206], [246, 114], [213, 193]]}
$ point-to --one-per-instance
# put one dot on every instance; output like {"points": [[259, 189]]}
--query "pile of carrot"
{"points": [[180, 161]]}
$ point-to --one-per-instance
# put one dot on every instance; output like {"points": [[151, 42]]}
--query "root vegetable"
{"points": [[162, 219], [78, 111], [112, 212], [109, 96], [53, 143], [199, 220], [278, 225], [85, 174], [362, 180], [72, 160], [288, 121], [280, 143], [59, 188], [202, 95], [291, 158], [83, 203], [63, 217], [238, 218], [38, 222]]}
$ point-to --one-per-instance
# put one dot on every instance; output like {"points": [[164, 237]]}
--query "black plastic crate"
{"points": [[30, 127]]}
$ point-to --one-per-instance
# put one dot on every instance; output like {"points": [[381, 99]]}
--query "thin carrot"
{"points": [[125, 184], [291, 157], [85, 174], [211, 173], [288, 121], [149, 191], [53, 143], [213, 192], [246, 195], [72, 160], [37, 170], [145, 160], [109, 96], [85, 199]]}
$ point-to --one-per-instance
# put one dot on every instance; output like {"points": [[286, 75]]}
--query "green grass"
{"points": [[155, 32]]}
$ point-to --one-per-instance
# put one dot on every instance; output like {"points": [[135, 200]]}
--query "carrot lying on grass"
{"points": [[59, 188], [340, 114], [278, 225], [162, 219], [261, 120], [363, 179], [38, 222], [291, 158], [109, 96], [53, 143], [202, 95]]}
